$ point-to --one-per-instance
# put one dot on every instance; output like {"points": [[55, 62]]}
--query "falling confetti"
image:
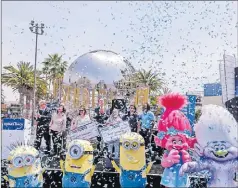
{"points": [[180, 42]]}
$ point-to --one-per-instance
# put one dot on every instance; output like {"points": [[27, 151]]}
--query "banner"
{"points": [[13, 124], [14, 130], [189, 110], [112, 133], [85, 131]]}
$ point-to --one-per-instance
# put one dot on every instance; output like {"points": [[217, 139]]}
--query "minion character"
{"points": [[78, 167], [24, 167], [133, 168]]}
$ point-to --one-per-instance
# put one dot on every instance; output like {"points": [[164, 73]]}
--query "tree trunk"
{"points": [[28, 101], [21, 99], [46, 79]]}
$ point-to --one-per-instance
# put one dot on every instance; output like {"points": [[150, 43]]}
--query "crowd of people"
{"points": [[55, 125]]}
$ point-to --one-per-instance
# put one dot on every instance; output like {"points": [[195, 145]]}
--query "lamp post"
{"points": [[37, 30]]}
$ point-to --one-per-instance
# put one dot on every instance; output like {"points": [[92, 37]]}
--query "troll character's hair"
{"points": [[216, 124], [173, 121]]}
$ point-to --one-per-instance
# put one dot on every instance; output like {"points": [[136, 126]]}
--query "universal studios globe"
{"points": [[97, 66]]}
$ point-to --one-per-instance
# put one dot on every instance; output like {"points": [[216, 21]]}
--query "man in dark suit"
{"points": [[43, 120], [100, 114]]}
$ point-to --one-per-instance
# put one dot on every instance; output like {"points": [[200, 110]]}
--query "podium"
{"points": [[13, 131]]}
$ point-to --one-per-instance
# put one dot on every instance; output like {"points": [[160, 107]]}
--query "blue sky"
{"points": [[182, 40]]}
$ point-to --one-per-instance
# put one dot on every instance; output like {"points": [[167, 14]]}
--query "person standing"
{"points": [[100, 112], [146, 123], [112, 120], [43, 119], [80, 118], [132, 118], [57, 128]]}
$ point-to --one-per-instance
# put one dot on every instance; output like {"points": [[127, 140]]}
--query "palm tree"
{"points": [[21, 79], [148, 79], [54, 67]]}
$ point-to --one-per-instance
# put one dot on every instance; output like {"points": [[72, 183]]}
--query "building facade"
{"points": [[224, 93]]}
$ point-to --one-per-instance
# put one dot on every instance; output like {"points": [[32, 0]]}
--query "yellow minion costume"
{"points": [[133, 169], [24, 167], [78, 167]]}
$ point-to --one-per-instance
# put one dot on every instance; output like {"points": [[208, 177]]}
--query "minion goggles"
{"points": [[21, 161], [76, 151], [134, 145]]}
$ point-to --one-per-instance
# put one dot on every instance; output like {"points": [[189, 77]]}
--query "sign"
{"points": [[14, 130], [4, 107], [13, 124], [189, 110], [212, 89], [85, 131], [113, 132]]}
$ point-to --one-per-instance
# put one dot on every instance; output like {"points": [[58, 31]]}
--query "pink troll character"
{"points": [[174, 134]]}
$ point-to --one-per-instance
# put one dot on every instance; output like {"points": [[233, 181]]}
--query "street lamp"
{"points": [[37, 30]]}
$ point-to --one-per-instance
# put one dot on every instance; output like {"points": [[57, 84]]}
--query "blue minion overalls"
{"points": [[26, 181], [132, 178], [71, 179]]}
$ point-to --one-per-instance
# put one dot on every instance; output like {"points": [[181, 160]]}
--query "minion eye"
{"points": [[135, 145], [18, 162], [174, 142], [29, 160], [75, 152], [126, 145]]}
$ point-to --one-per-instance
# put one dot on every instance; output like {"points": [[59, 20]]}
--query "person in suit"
{"points": [[43, 119], [100, 112]]}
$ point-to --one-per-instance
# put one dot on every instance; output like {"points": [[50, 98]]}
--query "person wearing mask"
{"points": [[80, 118], [57, 128], [132, 118], [146, 123], [43, 119]]}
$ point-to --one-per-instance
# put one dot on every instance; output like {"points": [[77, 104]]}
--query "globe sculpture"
{"points": [[97, 66], [95, 75]]}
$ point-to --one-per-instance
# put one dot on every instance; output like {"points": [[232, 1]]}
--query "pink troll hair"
{"points": [[173, 117], [173, 101]]}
